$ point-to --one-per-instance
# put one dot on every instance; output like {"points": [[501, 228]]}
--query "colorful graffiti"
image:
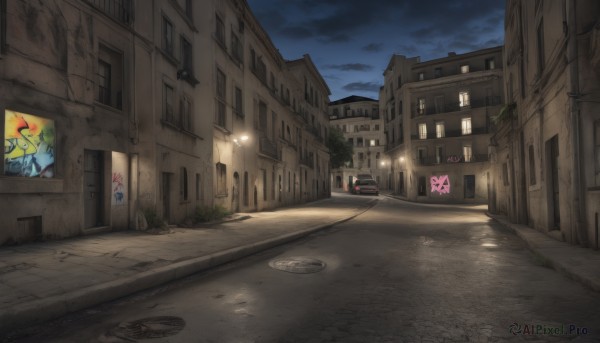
{"points": [[440, 184], [28, 145], [118, 188]]}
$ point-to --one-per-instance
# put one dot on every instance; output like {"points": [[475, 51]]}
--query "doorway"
{"points": [[236, 192], [93, 184], [166, 196]]}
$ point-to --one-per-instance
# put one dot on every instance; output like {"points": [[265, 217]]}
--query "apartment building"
{"points": [[112, 109], [546, 151], [437, 124], [358, 119]]}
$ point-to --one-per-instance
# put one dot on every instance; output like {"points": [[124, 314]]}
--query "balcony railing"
{"points": [[451, 159], [120, 10], [307, 161], [456, 106], [268, 148], [452, 133]]}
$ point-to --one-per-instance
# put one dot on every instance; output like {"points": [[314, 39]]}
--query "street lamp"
{"points": [[241, 140]]}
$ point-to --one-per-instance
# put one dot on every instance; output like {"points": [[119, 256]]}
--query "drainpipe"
{"points": [[578, 201]]}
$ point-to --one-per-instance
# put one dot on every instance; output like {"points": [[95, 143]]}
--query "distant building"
{"points": [[437, 124], [112, 109], [546, 151], [358, 118]]}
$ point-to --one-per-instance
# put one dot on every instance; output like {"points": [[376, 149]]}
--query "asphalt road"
{"points": [[400, 272]]}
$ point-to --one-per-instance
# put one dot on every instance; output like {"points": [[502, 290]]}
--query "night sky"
{"points": [[351, 41]]}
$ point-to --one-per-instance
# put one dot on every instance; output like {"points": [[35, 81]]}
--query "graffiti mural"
{"points": [[118, 188], [28, 145], [440, 184]]}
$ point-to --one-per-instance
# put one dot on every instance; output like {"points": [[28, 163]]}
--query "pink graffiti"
{"points": [[440, 184], [118, 188]]}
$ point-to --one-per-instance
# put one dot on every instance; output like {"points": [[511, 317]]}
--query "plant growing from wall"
{"points": [[340, 150], [153, 219], [207, 213], [506, 114]]}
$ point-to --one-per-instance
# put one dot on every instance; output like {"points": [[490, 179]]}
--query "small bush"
{"points": [[154, 220], [207, 213]]}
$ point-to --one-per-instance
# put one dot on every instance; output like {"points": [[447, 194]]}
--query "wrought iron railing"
{"points": [[121, 10], [451, 159], [456, 106]]}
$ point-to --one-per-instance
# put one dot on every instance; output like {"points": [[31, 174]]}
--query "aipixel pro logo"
{"points": [[544, 329]]}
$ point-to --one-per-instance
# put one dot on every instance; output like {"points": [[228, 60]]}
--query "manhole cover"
{"points": [[298, 264], [153, 327]]}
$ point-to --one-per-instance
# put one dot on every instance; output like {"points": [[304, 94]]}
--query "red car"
{"points": [[365, 187]]}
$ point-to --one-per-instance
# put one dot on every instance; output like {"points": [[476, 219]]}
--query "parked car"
{"points": [[366, 186], [364, 177]]}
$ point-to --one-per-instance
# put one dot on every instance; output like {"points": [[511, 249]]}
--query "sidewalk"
{"points": [[579, 264], [42, 281]]}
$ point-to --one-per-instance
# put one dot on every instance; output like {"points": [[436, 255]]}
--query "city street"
{"points": [[400, 272]]}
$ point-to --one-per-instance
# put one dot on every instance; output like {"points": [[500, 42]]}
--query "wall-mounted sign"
{"points": [[29, 145]]}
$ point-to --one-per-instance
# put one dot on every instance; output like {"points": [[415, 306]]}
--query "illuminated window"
{"points": [[372, 142], [421, 106], [440, 130], [464, 99], [467, 153], [421, 76], [423, 131], [466, 126], [464, 68]]}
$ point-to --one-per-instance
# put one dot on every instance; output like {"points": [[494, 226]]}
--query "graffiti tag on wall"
{"points": [[28, 145], [440, 184], [118, 189]]}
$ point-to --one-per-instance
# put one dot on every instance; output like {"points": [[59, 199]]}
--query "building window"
{"points": [[359, 141], [220, 30], [421, 106], [221, 93], [437, 72], [423, 131], [464, 99], [239, 102], [183, 184], [2, 26], [440, 130], [421, 76], [467, 153], [532, 180], [361, 156], [399, 81], [264, 175], [120, 10], [464, 68], [540, 46], [168, 111], [376, 127], [237, 51], [186, 113], [110, 78], [505, 174], [597, 150], [466, 126], [186, 56], [188, 9], [221, 179], [439, 154], [490, 63], [168, 45], [372, 142], [246, 189]]}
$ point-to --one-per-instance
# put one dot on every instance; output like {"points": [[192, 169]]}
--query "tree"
{"points": [[340, 151]]}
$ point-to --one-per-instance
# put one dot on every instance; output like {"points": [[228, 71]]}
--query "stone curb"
{"points": [[526, 233], [41, 310]]}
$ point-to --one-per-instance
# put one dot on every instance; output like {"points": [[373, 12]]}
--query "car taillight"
{"points": [[356, 188]]}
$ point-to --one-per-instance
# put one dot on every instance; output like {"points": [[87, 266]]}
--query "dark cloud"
{"points": [[296, 32], [338, 38], [350, 67], [362, 86], [373, 47]]}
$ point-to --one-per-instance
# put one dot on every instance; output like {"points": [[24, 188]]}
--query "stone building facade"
{"points": [[358, 119], [115, 108], [437, 124], [546, 151]]}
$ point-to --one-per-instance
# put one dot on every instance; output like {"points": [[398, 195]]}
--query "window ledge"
{"points": [[107, 107], [221, 128], [221, 195], [175, 127], [169, 57]]}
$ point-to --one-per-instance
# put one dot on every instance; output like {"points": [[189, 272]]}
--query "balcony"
{"points": [[268, 148], [119, 10], [307, 161], [452, 133], [456, 106], [450, 159]]}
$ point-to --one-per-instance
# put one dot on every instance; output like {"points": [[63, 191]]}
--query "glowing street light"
{"points": [[239, 141]]}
